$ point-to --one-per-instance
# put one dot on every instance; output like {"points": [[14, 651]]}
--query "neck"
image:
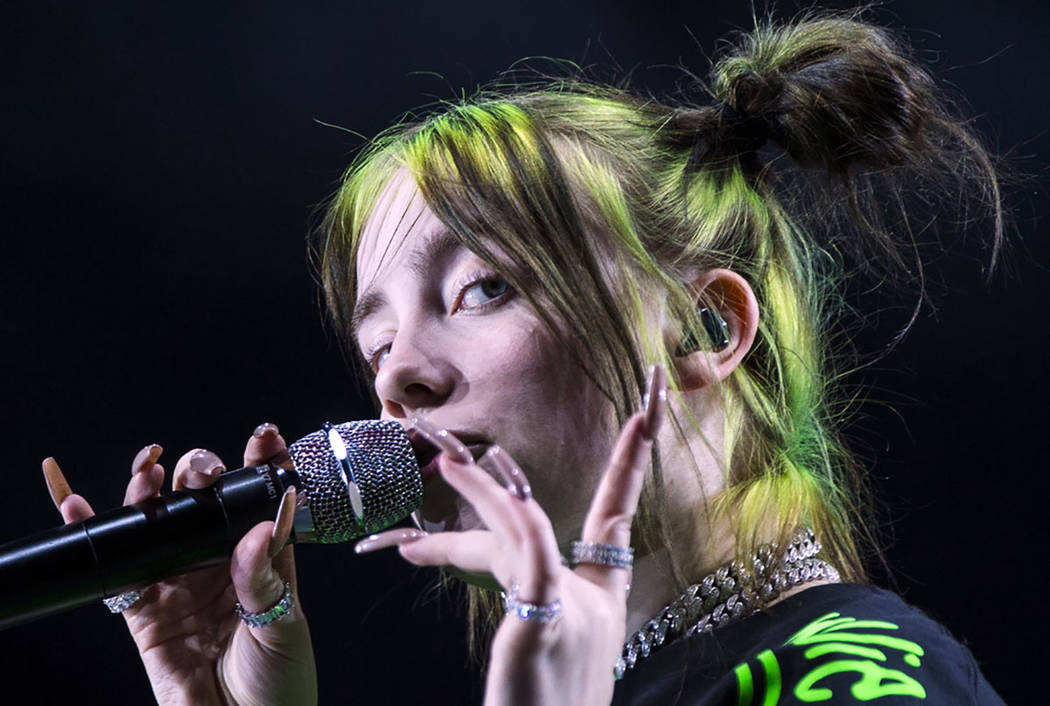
{"points": [[650, 591], [653, 583]]}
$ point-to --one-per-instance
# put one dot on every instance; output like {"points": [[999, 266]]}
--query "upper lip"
{"points": [[426, 451]]}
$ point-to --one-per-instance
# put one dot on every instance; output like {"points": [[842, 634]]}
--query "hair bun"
{"points": [[739, 132], [756, 94]]}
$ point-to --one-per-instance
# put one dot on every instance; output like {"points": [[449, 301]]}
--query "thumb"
{"points": [[259, 568]]}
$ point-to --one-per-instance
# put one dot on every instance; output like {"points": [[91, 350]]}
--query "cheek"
{"points": [[551, 418], [536, 377]]}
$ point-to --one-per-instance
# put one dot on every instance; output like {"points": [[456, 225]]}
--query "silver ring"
{"points": [[122, 601], [280, 609], [530, 611], [602, 554]]}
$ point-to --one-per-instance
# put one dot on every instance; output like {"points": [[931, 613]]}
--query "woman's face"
{"points": [[450, 342]]}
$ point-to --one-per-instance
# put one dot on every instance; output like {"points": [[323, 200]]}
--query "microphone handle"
{"points": [[134, 546]]}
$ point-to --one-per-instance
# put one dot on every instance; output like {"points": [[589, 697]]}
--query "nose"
{"points": [[412, 379]]}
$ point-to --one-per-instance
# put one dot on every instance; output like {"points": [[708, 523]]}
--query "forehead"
{"points": [[398, 218]]}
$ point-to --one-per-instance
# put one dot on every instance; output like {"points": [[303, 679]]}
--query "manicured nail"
{"points": [[441, 438], [513, 478], [57, 486], [145, 458], [266, 429], [655, 402], [204, 461], [282, 527], [390, 538]]}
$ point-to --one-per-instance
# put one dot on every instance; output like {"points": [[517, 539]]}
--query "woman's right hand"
{"points": [[194, 647]]}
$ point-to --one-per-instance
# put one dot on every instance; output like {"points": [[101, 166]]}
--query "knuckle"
{"points": [[611, 528]]}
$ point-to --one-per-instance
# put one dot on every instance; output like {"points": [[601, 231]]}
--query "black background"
{"points": [[160, 162]]}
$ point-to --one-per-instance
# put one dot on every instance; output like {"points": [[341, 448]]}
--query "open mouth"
{"points": [[426, 453]]}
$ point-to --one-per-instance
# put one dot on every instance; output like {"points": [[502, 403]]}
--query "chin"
{"points": [[443, 510]]}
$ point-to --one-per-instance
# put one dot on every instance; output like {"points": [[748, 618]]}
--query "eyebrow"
{"points": [[437, 246]]}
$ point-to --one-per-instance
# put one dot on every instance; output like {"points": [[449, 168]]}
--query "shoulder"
{"points": [[835, 644], [849, 643]]}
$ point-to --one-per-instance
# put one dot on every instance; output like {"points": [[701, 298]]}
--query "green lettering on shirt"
{"points": [[862, 651]]}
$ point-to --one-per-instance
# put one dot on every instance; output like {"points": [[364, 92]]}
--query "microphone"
{"points": [[352, 479]]}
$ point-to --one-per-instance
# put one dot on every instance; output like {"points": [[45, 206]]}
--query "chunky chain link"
{"points": [[728, 594]]}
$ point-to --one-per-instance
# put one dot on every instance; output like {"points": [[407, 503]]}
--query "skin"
{"points": [[192, 645], [480, 366], [467, 361], [464, 353], [539, 463]]}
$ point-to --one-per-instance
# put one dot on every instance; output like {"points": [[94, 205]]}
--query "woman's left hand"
{"points": [[570, 658]]}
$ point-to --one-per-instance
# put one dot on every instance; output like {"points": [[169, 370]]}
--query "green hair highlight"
{"points": [[591, 199]]}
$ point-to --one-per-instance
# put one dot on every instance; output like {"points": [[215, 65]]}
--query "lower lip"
{"points": [[431, 470]]}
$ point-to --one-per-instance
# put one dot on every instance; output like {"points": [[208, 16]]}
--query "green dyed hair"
{"points": [[565, 175]]}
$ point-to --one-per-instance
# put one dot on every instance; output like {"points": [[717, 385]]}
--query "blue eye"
{"points": [[376, 356], [482, 292]]}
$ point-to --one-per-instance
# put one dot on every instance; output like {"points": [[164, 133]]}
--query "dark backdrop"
{"points": [[160, 164]]}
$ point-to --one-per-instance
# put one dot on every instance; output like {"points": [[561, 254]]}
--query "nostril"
{"points": [[417, 389]]}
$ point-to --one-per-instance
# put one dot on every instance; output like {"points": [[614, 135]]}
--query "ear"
{"points": [[732, 298]]}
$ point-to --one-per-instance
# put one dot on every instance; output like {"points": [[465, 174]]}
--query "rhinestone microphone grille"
{"points": [[383, 467]]}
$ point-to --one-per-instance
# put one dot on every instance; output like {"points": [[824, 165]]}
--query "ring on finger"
{"points": [[122, 601], [530, 611], [278, 610], [602, 554]]}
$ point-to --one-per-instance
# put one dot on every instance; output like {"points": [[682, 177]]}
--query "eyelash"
{"points": [[478, 277], [468, 281]]}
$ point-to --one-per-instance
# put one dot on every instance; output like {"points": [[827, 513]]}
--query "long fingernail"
{"points": [[516, 482], [145, 458], [266, 429], [282, 527], [655, 402], [390, 538], [445, 441], [204, 461], [57, 486]]}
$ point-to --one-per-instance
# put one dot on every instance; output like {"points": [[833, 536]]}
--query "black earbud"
{"points": [[715, 327]]}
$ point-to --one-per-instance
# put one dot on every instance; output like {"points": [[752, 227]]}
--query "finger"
{"points": [[513, 516], [57, 485], [196, 469], [616, 499], [144, 485], [391, 538], [476, 486], [475, 551], [259, 585], [266, 445], [146, 475], [71, 506], [655, 402], [282, 528], [537, 561], [501, 511], [260, 565], [75, 509], [513, 477], [443, 439], [146, 457]]}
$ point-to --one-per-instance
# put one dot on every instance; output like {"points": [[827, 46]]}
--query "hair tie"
{"points": [[743, 133]]}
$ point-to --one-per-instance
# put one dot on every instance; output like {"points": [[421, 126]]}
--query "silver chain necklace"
{"points": [[728, 594]]}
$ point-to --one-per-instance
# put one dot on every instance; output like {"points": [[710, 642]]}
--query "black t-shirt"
{"points": [[832, 644]]}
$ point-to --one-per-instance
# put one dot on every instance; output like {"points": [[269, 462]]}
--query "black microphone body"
{"points": [[352, 479], [136, 545]]}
